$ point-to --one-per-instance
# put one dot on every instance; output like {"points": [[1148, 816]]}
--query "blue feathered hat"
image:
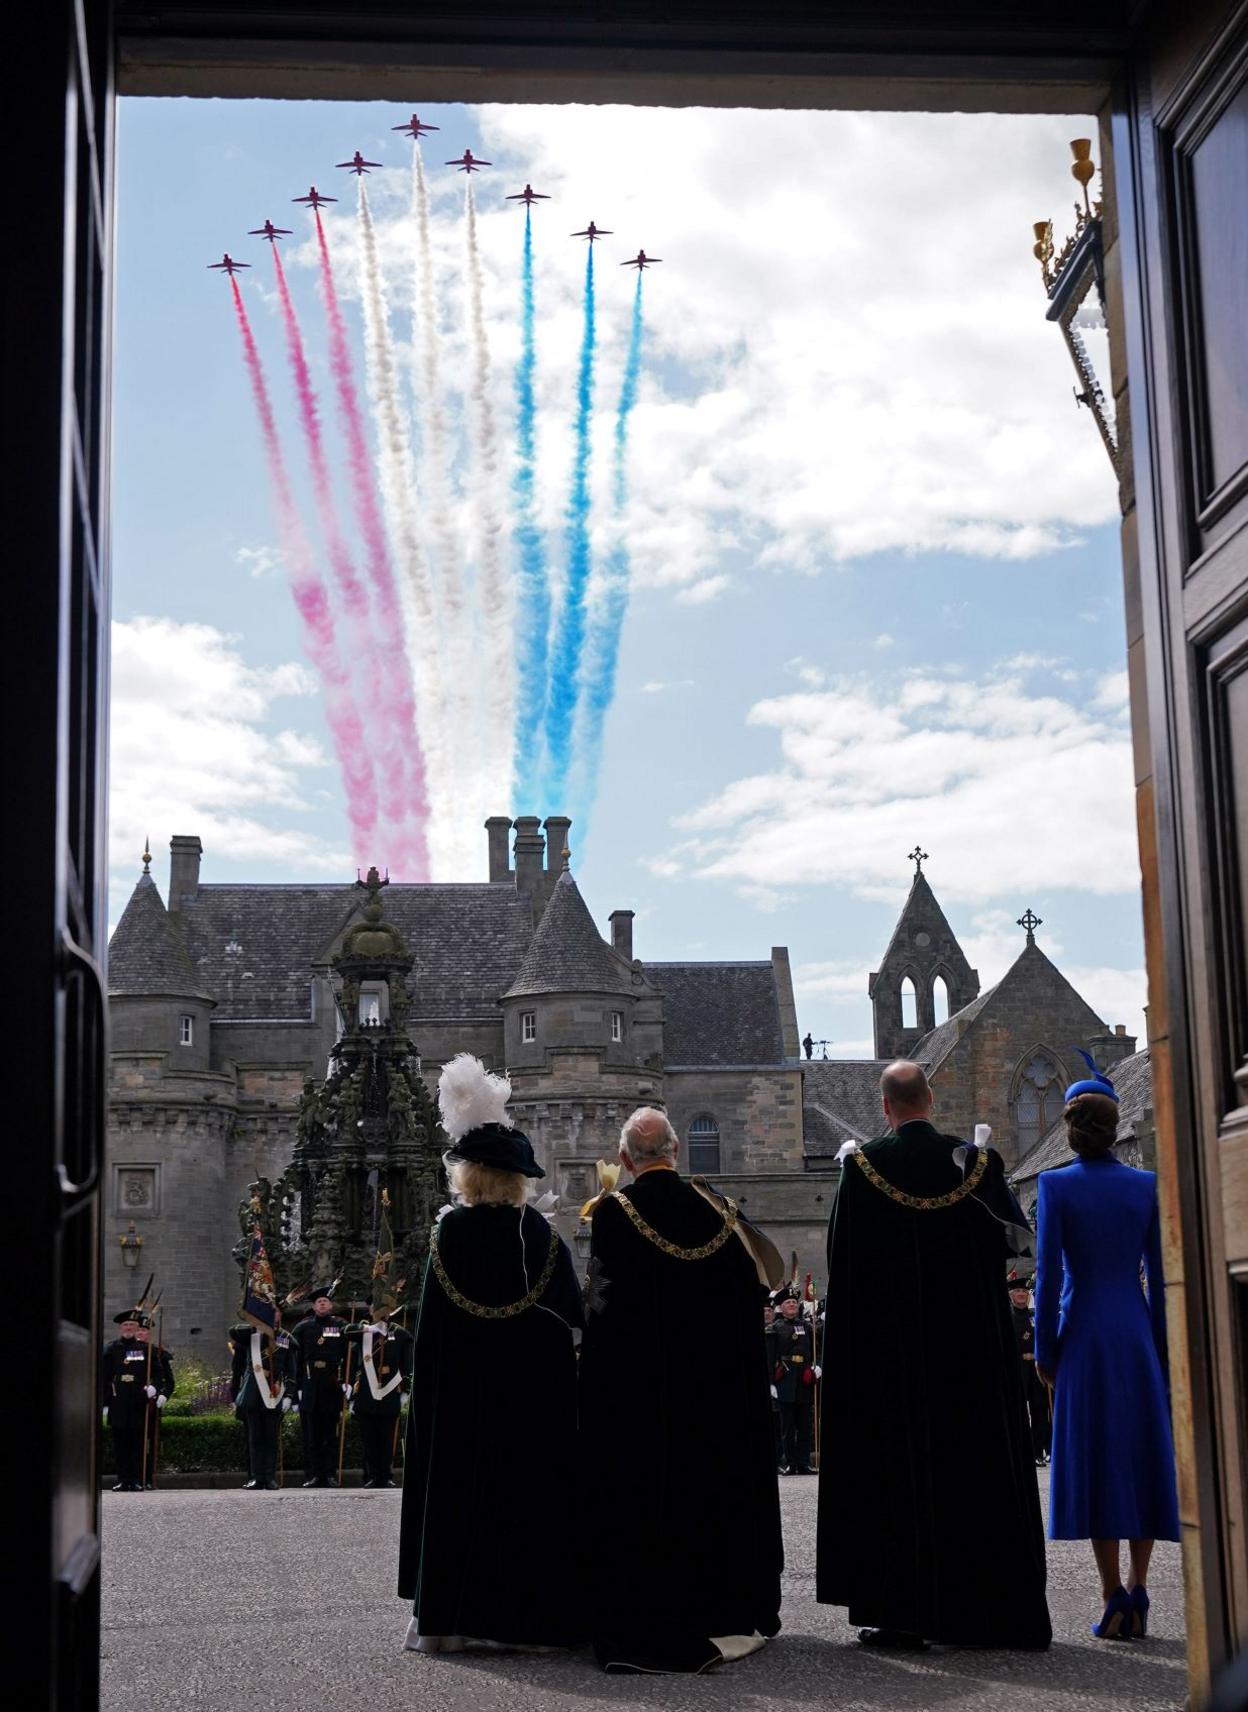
{"points": [[1097, 1083]]}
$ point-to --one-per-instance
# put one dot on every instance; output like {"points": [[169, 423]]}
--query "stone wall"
{"points": [[759, 1113]]}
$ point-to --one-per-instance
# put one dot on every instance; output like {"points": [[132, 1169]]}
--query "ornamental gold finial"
{"points": [[147, 854], [1083, 171]]}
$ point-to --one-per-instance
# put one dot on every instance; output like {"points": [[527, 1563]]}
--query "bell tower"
{"points": [[922, 951]]}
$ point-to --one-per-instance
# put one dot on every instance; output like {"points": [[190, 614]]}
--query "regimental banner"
{"points": [[259, 1307]]}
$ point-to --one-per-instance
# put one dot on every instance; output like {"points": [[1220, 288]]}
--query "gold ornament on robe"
{"points": [[608, 1180]]}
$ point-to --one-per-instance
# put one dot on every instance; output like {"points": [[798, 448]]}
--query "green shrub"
{"points": [[198, 1390], [217, 1444]]}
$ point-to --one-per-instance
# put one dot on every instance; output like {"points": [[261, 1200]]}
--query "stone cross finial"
{"points": [[1031, 921], [918, 856]]}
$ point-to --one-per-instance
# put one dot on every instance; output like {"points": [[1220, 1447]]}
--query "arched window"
{"points": [[703, 1144], [941, 1007], [1037, 1102], [909, 1004]]}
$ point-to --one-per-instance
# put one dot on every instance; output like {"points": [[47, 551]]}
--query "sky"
{"points": [[876, 589]]}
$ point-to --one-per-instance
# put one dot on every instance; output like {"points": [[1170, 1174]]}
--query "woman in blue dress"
{"points": [[1101, 1345]]}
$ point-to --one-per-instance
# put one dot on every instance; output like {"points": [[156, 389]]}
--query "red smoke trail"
{"points": [[398, 749], [312, 604]]}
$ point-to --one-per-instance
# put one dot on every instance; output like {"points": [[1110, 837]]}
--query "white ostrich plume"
{"points": [[470, 1095]]}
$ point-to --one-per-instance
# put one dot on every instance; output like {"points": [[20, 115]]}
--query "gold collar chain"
{"points": [[923, 1204], [482, 1311], [701, 1253]]}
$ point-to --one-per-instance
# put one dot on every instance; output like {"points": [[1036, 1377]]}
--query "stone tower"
{"points": [[922, 951], [369, 1127]]}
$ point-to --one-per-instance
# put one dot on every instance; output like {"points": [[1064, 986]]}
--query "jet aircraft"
{"points": [[642, 260], [313, 199], [468, 162], [227, 264], [269, 231], [591, 232], [528, 196], [357, 164], [415, 127]]}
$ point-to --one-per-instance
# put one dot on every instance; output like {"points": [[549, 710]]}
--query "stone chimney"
{"points": [[185, 851], [558, 828], [496, 829], [622, 931], [528, 853]]}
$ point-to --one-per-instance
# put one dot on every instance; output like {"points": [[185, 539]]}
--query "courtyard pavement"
{"points": [[284, 1602]]}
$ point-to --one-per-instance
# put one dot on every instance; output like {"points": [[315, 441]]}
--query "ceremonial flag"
{"points": [[259, 1307], [387, 1289]]}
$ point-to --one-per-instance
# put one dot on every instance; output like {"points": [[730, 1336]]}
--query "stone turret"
{"points": [[922, 950]]}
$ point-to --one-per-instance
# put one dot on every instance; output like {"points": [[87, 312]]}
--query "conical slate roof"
{"points": [[146, 953], [567, 954]]}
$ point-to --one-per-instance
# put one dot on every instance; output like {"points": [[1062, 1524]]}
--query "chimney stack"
{"points": [[496, 829], [558, 826], [529, 846], [622, 932], [185, 851]]}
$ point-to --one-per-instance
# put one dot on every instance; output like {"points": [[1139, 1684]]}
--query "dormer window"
{"points": [[617, 1025], [186, 1031], [528, 1026]]}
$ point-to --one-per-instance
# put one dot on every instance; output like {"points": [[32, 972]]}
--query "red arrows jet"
{"points": [[269, 231], [314, 199], [357, 164], [227, 264], [528, 196], [468, 162], [591, 232], [415, 127], [642, 260]]}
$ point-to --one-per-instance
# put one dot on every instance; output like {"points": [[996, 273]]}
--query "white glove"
{"points": [[287, 1405], [350, 1408], [346, 1391], [405, 1398], [775, 1393], [105, 1414], [161, 1401], [818, 1373], [293, 1404], [150, 1390]]}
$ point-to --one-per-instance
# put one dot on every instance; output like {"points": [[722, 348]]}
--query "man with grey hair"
{"points": [[685, 1398], [929, 1518]]}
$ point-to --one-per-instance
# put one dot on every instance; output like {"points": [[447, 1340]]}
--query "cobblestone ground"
{"points": [[215, 1600]]}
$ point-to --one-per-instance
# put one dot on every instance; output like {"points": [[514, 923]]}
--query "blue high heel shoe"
{"points": [[1139, 1611], [1115, 1624]]}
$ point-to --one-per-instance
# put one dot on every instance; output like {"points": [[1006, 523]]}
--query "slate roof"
{"points": [[1133, 1082], [468, 942], [146, 954], [567, 954], [945, 1036], [719, 1013], [840, 1098]]}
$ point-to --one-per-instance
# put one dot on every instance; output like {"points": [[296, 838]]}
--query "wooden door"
{"points": [[1181, 149], [54, 411]]}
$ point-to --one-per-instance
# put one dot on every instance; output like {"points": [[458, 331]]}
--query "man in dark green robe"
{"points": [[677, 1445], [929, 1516]]}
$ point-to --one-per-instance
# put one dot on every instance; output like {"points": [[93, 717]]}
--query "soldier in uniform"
{"points": [[127, 1392], [320, 1349], [157, 1392], [380, 1390], [794, 1373], [1035, 1391], [262, 1384], [769, 1343]]}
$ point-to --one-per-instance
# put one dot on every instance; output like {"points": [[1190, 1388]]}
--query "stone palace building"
{"points": [[222, 1005]]}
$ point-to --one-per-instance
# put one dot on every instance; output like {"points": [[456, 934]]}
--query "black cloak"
{"points": [[929, 1513], [676, 1436], [491, 1434]]}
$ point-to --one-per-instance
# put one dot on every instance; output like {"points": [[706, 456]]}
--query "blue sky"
{"points": [[874, 544]]}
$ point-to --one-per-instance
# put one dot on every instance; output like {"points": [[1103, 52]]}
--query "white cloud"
{"points": [[260, 561], [192, 751], [820, 383], [809, 674], [978, 769], [706, 589], [839, 979], [883, 640], [657, 686]]}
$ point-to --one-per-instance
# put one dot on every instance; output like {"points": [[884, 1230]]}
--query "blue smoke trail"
{"points": [[565, 664], [533, 592], [602, 648]]}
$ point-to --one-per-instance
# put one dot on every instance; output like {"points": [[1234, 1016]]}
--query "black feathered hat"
{"points": [[498, 1147], [135, 1314], [474, 1116]]}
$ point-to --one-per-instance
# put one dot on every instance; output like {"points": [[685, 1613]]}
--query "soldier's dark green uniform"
{"points": [[157, 1394], [320, 1347], [262, 1422], [793, 1348], [124, 1381], [389, 1355]]}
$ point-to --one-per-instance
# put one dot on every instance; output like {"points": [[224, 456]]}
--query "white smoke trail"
{"points": [[435, 439], [394, 458], [495, 595]]}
